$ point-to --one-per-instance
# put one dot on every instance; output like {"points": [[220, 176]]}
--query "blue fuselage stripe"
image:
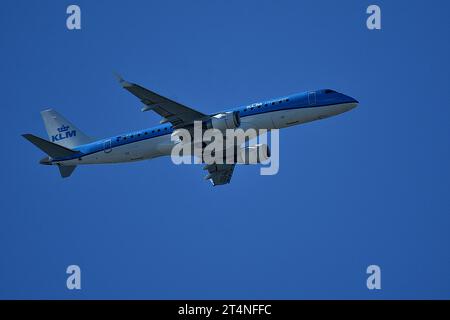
{"points": [[165, 129]]}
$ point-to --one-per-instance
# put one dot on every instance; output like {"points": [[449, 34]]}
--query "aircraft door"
{"points": [[311, 98], [107, 146]]}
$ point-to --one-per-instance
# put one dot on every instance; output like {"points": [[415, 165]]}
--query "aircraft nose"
{"points": [[349, 99], [350, 102]]}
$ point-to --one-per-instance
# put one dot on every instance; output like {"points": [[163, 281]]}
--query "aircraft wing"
{"points": [[219, 173], [171, 111]]}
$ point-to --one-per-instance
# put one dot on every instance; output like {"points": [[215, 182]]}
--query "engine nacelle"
{"points": [[255, 154], [224, 121]]}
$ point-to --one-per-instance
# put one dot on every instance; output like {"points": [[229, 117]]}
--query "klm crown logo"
{"points": [[63, 133], [63, 128]]}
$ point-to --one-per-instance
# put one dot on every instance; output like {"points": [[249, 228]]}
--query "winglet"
{"points": [[118, 76], [121, 80]]}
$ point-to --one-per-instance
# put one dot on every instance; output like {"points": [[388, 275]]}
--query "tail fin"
{"points": [[61, 131]]}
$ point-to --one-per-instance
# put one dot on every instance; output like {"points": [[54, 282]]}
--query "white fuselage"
{"points": [[162, 145]]}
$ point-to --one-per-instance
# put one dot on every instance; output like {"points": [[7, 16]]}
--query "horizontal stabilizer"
{"points": [[50, 148], [66, 171]]}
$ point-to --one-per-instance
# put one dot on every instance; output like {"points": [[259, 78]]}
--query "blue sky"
{"points": [[370, 186]]}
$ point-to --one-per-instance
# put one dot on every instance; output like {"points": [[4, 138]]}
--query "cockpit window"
{"points": [[328, 91]]}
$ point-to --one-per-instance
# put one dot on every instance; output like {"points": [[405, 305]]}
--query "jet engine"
{"points": [[223, 121]]}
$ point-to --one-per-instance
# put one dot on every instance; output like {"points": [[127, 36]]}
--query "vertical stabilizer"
{"points": [[61, 131]]}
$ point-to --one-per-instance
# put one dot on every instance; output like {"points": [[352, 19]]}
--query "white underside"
{"points": [[162, 146]]}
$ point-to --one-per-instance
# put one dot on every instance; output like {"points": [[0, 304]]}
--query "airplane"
{"points": [[70, 147]]}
